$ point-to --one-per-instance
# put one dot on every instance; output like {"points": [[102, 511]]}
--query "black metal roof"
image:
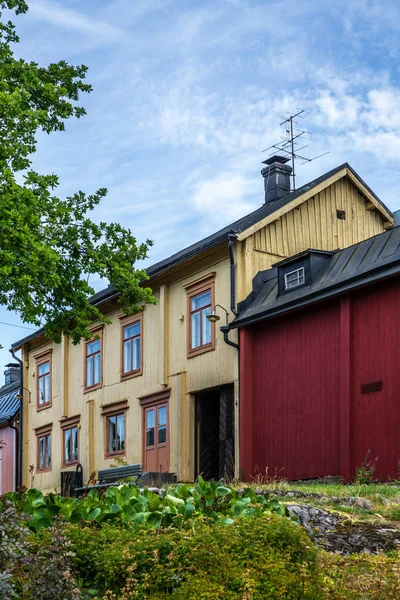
{"points": [[9, 403], [220, 236], [361, 264]]}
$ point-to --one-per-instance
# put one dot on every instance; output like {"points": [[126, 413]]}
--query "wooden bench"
{"points": [[110, 477]]}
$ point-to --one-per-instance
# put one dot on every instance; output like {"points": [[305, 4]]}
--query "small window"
{"points": [[341, 214], [43, 381], [115, 434], [131, 357], [294, 278], [200, 300], [71, 451], [93, 363], [43, 436]]}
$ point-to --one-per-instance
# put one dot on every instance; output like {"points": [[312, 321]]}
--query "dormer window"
{"points": [[294, 278]]}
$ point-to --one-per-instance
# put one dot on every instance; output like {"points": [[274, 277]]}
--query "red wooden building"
{"points": [[320, 363]]}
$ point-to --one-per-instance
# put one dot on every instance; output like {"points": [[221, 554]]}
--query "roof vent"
{"points": [[276, 178]]}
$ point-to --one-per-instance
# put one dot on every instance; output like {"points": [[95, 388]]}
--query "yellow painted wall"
{"points": [[314, 224]]}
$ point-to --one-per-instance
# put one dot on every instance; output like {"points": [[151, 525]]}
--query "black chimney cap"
{"points": [[276, 158]]}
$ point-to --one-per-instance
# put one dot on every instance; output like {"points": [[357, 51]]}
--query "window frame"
{"points": [[301, 273], [69, 424], [43, 432], [193, 289], [42, 359], [114, 410], [125, 322], [98, 331]]}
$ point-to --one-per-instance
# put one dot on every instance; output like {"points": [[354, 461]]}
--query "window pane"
{"points": [[67, 445], [201, 300], [44, 395], [96, 378], [150, 419], [131, 330], [112, 434], [195, 342], [89, 371], [150, 437], [75, 453], [48, 457], [41, 453], [162, 434], [162, 415], [44, 368], [206, 326], [121, 432], [93, 347], [136, 354], [127, 356]]}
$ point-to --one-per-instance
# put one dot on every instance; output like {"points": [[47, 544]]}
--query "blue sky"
{"points": [[187, 94]]}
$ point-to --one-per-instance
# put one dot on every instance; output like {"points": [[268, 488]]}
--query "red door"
{"points": [[156, 438]]}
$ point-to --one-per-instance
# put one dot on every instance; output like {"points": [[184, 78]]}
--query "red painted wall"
{"points": [[295, 389], [302, 411], [8, 453]]}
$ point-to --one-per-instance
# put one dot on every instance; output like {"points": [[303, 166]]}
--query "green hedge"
{"points": [[267, 557]]}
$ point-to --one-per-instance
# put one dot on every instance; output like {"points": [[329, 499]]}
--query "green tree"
{"points": [[50, 246]]}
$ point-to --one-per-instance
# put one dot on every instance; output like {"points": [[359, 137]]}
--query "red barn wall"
{"points": [[295, 384], [302, 411], [7, 437]]}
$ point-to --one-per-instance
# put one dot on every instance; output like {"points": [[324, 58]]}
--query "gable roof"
{"points": [[361, 264], [9, 403], [244, 227]]}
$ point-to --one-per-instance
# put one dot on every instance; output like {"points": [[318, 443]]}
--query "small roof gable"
{"points": [[347, 269]]}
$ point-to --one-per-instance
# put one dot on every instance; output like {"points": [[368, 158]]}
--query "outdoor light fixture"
{"points": [[213, 317]]}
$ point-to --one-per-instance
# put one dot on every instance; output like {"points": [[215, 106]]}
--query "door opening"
{"points": [[214, 427]]}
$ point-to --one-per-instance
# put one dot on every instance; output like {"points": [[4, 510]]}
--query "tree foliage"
{"points": [[50, 246]]}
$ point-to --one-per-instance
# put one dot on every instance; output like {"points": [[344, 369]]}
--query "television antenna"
{"points": [[290, 142]]}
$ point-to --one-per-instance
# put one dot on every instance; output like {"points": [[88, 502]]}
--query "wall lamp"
{"points": [[19, 397], [213, 317]]}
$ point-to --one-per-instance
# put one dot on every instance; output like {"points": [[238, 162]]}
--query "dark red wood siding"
{"points": [[296, 383], [375, 416], [303, 413]]}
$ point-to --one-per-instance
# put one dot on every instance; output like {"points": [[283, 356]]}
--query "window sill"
{"points": [[70, 464], [112, 454], [87, 390], [201, 350], [40, 407], [131, 374], [43, 470]]}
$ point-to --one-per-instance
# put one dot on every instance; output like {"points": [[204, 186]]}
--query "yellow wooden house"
{"points": [[161, 388]]}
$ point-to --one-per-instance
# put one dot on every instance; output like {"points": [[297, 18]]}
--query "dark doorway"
{"points": [[215, 432]]}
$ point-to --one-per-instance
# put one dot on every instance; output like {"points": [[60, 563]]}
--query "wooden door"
{"points": [[156, 438]]}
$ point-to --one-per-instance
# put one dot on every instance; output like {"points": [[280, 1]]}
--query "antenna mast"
{"points": [[289, 143]]}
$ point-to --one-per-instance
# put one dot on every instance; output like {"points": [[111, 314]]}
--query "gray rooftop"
{"points": [[359, 265], [219, 237], [9, 403]]}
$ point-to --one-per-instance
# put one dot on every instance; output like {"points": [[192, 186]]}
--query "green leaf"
{"points": [[93, 514]]}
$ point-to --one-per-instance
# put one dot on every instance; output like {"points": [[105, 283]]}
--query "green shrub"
{"points": [[359, 576], [33, 567], [265, 557]]}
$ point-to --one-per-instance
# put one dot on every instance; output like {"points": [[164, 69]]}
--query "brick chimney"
{"points": [[276, 178]]}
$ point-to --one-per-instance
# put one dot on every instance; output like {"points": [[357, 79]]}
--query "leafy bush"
{"points": [[359, 576], [266, 558], [33, 568], [130, 506]]}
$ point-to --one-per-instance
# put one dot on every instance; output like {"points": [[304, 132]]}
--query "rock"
{"points": [[354, 501]]}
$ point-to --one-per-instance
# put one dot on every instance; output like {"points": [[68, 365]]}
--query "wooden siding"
{"points": [[305, 402], [375, 416], [313, 224], [295, 389]]}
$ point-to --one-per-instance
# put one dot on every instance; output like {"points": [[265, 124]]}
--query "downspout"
{"points": [[16, 452], [21, 418]]}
